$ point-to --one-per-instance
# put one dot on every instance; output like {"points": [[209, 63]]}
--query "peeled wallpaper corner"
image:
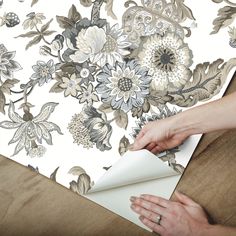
{"points": [[80, 79], [134, 167]]}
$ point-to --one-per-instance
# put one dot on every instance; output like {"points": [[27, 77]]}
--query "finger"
{"points": [[146, 213], [185, 199], [156, 150], [154, 217], [151, 225], [140, 204], [157, 200], [142, 142], [141, 134], [151, 146], [161, 148]]}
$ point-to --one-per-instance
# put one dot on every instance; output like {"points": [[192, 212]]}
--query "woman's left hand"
{"points": [[171, 218]]}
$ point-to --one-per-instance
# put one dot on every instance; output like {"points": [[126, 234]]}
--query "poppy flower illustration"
{"points": [[168, 59]]}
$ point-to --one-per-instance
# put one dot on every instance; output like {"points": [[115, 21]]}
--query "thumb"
{"points": [[141, 142], [182, 198]]}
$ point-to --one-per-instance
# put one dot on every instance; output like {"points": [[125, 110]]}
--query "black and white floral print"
{"points": [[43, 71], [33, 19], [7, 65], [124, 86], [91, 127], [168, 59], [87, 72], [71, 85], [31, 130], [118, 71], [88, 95]]}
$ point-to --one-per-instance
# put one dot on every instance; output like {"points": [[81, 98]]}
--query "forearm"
{"points": [[216, 115]]}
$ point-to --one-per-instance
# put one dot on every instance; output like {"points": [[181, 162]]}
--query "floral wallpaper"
{"points": [[115, 70]]}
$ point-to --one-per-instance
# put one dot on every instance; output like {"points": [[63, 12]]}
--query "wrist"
{"points": [[185, 123]]}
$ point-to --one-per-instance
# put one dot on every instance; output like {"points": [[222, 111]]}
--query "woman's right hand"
{"points": [[157, 136]]}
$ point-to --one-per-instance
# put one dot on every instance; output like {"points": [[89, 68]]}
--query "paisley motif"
{"points": [[155, 16]]}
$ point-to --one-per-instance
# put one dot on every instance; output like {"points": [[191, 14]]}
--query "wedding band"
{"points": [[159, 219]]}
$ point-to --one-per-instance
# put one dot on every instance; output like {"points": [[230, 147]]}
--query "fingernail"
{"points": [[141, 218], [132, 206], [132, 199]]}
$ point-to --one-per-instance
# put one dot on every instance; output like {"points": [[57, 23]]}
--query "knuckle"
{"points": [[137, 201], [138, 209], [176, 205], [150, 215]]}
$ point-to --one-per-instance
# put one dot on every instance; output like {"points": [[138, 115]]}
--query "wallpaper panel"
{"points": [[79, 80]]}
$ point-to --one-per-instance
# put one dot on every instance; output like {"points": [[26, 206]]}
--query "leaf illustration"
{"points": [[45, 112], [50, 126], [56, 88], [217, 1], [84, 183], [225, 17], [82, 186], [33, 169], [77, 170], [19, 132], [73, 14], [20, 145], [34, 41], [69, 68], [15, 117], [7, 85], [157, 98], [124, 146], [121, 119], [34, 2], [86, 3], [9, 125], [106, 108], [207, 81], [2, 102], [167, 157], [64, 22], [178, 168], [45, 134], [46, 26], [109, 9], [106, 168], [54, 174], [28, 34], [183, 11], [48, 32]]}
